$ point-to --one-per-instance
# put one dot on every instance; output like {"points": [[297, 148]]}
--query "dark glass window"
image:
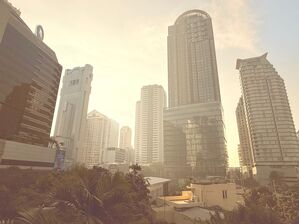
{"points": [[29, 81]]}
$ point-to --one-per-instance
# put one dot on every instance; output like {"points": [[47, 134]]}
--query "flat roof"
{"points": [[157, 180], [197, 212]]}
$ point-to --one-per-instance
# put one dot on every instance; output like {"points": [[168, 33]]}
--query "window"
{"points": [[74, 82]]}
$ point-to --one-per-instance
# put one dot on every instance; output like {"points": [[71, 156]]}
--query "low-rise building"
{"points": [[206, 195], [115, 155], [182, 216], [157, 186]]}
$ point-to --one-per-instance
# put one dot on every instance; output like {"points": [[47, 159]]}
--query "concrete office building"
{"points": [[193, 123], [29, 82], [270, 125], [72, 111], [100, 132], [244, 148], [149, 127]]}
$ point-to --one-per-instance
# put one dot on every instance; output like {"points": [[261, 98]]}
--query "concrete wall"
{"points": [[213, 194]]}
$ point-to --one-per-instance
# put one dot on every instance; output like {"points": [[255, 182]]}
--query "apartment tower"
{"points": [[269, 120], [149, 125], [244, 148], [100, 133]]}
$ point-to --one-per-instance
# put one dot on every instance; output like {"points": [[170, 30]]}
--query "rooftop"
{"points": [[156, 180]]}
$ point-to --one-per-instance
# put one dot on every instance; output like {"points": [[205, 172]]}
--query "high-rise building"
{"points": [[125, 138], [149, 128], [193, 123], [269, 120], [72, 111], [244, 148], [113, 133], [29, 82], [125, 143], [99, 135], [137, 139], [192, 66], [194, 141]]}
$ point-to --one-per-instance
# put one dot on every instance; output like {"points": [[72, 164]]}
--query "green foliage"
{"points": [[244, 215], [79, 195]]}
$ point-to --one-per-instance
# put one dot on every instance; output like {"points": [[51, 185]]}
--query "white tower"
{"points": [[72, 111], [150, 124]]}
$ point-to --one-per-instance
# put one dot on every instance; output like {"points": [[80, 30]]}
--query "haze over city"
{"points": [[149, 112], [126, 44]]}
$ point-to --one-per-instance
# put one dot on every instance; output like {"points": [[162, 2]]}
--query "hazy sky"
{"points": [[125, 41]]}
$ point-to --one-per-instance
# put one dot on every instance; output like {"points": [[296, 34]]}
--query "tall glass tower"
{"points": [[194, 116], [192, 66]]}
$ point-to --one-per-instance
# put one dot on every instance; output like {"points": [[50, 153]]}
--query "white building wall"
{"points": [[72, 111], [101, 133], [149, 125]]}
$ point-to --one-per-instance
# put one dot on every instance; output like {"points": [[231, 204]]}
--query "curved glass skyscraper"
{"points": [[195, 110]]}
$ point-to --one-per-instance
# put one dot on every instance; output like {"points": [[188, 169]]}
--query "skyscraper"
{"points": [[137, 142], [194, 117], [100, 133], [125, 138], [244, 149], [72, 111], [113, 133], [125, 143], [269, 119], [192, 66], [29, 81], [149, 127]]}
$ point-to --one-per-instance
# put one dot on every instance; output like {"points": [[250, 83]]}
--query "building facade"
{"points": [[100, 132], [125, 138], [137, 139], [125, 142], [149, 125], [72, 111], [193, 123], [194, 141], [29, 81], [244, 148], [192, 66], [115, 155], [269, 120]]}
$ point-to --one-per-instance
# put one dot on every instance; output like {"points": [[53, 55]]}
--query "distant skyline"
{"points": [[125, 42]]}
